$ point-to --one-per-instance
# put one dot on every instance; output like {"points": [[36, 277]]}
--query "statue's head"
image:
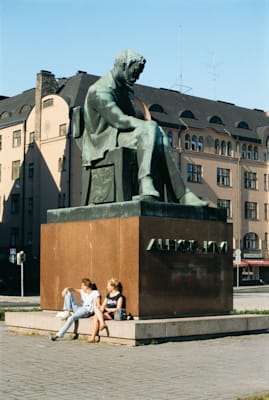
{"points": [[128, 66]]}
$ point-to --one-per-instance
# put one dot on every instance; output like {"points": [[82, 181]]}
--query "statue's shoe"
{"points": [[190, 199], [147, 189]]}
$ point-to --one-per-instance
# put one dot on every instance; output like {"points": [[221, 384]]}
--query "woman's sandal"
{"points": [[91, 340]]}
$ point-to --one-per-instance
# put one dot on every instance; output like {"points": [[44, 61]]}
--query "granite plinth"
{"points": [[150, 248], [136, 208]]}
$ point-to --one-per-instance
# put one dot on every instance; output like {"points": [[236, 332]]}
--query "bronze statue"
{"points": [[110, 121]]}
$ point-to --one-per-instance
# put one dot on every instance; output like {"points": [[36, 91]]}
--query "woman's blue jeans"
{"points": [[70, 304]]}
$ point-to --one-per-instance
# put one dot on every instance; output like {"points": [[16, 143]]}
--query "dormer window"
{"points": [[187, 114], [4, 115], [216, 120], [242, 125], [156, 108], [47, 103]]}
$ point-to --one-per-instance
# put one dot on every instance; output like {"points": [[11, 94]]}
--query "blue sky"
{"points": [[219, 47]]}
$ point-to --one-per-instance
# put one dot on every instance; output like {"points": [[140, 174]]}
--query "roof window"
{"points": [[156, 108], [215, 119], [242, 125], [187, 114]]}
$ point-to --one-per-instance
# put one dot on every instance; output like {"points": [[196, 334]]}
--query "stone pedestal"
{"points": [[172, 260]]}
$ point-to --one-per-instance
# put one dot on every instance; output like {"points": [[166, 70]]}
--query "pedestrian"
{"points": [[112, 303], [90, 301]]}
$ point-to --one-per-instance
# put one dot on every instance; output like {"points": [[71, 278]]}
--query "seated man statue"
{"points": [[110, 121]]}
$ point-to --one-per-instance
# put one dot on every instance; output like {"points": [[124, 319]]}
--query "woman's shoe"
{"points": [[54, 338], [91, 340]]}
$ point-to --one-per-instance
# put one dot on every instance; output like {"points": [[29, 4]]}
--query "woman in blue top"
{"points": [[112, 303]]}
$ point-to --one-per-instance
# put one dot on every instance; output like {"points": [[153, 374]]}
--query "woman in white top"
{"points": [[90, 301]]}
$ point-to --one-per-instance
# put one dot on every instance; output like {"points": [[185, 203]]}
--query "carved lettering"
{"points": [[187, 246]]}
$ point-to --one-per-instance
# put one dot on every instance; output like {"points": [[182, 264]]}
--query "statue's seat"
{"points": [[112, 179]]}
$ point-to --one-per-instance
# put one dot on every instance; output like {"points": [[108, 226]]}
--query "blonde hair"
{"points": [[114, 283]]}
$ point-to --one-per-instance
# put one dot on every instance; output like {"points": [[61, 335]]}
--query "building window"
{"points": [[251, 210], [244, 152], [250, 180], [31, 137], [201, 143], [265, 246], [47, 103], [194, 142], [266, 154], [251, 241], [61, 200], [266, 182], [29, 238], [156, 108], [5, 115], [187, 142], [243, 125], [225, 204], [194, 173], [229, 149], [16, 138], [62, 130], [61, 164], [15, 203], [266, 208], [223, 148], [217, 146], [14, 237], [15, 169], [170, 138], [31, 170], [30, 206], [249, 152], [256, 153], [215, 120], [223, 177], [187, 114], [0, 142]]}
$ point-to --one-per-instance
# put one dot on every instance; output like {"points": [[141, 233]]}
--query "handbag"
{"points": [[120, 315]]}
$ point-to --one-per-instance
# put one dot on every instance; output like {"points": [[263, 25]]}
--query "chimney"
{"points": [[45, 84]]}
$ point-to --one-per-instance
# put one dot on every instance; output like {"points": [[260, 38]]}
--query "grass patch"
{"points": [[263, 312], [17, 309], [264, 396]]}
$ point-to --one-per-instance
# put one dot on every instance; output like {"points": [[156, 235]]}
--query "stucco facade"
{"points": [[224, 161]]}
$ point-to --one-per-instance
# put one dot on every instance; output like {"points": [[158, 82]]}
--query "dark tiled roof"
{"points": [[173, 103], [75, 89], [17, 107]]}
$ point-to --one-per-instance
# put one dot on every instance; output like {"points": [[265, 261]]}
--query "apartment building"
{"points": [[222, 151]]}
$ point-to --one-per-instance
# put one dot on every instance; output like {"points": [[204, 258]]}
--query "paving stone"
{"points": [[34, 367]]}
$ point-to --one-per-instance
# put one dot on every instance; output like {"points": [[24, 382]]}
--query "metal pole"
{"points": [[237, 274], [22, 291]]}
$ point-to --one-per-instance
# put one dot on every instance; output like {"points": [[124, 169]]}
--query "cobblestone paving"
{"points": [[35, 368]]}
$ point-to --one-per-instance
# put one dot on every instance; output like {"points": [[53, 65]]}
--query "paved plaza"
{"points": [[34, 367]]}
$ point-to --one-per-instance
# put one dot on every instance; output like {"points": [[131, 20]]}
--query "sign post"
{"points": [[237, 261], [21, 257]]}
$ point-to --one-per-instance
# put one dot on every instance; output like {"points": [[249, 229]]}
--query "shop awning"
{"points": [[252, 263]]}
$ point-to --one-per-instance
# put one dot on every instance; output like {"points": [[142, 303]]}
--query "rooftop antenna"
{"points": [[214, 75], [179, 83], [180, 60]]}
